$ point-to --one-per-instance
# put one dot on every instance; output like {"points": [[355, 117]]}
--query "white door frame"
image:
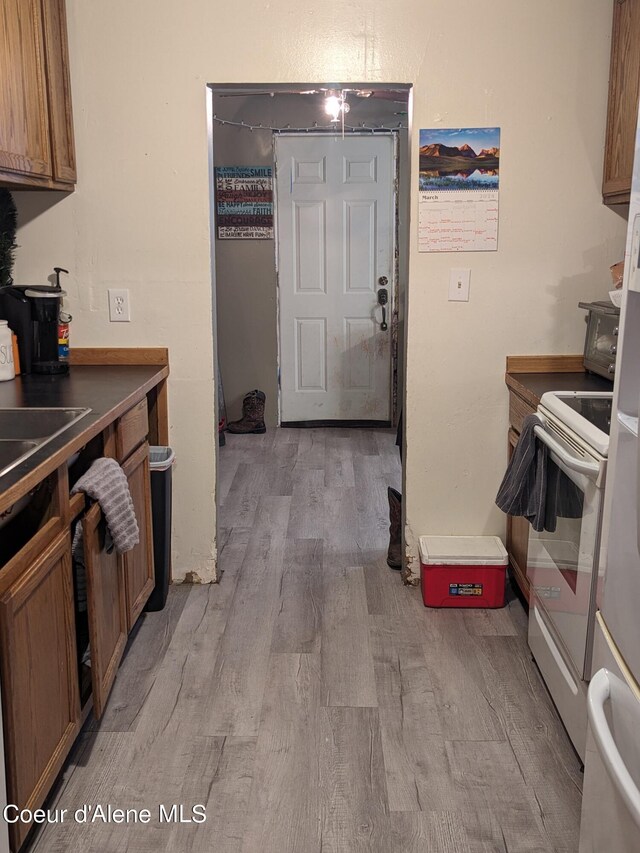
{"points": [[392, 310]]}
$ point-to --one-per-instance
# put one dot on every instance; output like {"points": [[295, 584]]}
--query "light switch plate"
{"points": [[459, 285]]}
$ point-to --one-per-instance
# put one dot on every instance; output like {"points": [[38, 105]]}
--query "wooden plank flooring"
{"points": [[310, 701]]}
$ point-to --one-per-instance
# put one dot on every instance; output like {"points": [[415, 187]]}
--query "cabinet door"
{"points": [[40, 696], [107, 608], [24, 110], [622, 111], [138, 563], [59, 91], [518, 538]]}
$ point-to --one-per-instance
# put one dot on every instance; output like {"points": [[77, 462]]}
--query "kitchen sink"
{"points": [[37, 424], [23, 431], [13, 449]]}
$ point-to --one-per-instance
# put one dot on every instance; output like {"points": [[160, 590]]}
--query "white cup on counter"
{"points": [[7, 367]]}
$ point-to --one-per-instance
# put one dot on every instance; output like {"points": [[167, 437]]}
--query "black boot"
{"points": [[252, 420], [394, 554]]}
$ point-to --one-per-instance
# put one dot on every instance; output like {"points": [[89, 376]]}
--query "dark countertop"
{"points": [[531, 386], [108, 391]]}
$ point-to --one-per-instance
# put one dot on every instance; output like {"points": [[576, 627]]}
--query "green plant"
{"points": [[8, 227]]}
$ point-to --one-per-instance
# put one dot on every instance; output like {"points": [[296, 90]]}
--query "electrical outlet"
{"points": [[119, 309], [459, 285]]}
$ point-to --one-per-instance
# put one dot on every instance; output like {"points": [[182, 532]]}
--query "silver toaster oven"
{"points": [[601, 340]]}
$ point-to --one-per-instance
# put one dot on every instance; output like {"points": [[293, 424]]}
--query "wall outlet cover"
{"points": [[119, 307]]}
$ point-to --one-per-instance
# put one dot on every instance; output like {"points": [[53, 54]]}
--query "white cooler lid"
{"points": [[462, 551]]}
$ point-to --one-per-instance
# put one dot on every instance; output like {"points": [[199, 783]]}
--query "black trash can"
{"points": [[160, 463]]}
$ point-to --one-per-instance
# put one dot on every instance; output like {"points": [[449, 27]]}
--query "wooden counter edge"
{"points": [[545, 363], [30, 480], [538, 364], [134, 356], [525, 393]]}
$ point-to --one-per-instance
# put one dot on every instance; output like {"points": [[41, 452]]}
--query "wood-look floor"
{"points": [[310, 701]]}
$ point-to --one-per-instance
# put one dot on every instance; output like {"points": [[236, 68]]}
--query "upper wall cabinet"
{"points": [[36, 125], [622, 113]]}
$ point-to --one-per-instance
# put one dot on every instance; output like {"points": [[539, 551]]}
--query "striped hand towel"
{"points": [[523, 488]]}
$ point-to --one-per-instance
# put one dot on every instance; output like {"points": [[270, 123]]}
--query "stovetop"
{"points": [[595, 409], [585, 414]]}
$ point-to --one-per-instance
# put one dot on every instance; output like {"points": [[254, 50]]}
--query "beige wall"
{"points": [[539, 71], [140, 216]]}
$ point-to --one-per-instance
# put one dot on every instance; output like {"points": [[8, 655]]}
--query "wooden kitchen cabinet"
{"points": [[47, 692], [59, 92], [40, 697], [132, 430], [36, 124], [622, 110], [107, 607], [138, 563]]}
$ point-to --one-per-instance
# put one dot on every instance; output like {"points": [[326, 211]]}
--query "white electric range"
{"points": [[562, 560]]}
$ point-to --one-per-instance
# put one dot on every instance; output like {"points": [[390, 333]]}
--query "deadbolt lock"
{"points": [[383, 281]]}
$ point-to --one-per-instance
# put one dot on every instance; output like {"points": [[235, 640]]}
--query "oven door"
{"points": [[562, 563]]}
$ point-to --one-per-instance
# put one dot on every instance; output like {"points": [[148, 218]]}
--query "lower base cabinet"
{"points": [[107, 607], [40, 695], [138, 563], [47, 630]]}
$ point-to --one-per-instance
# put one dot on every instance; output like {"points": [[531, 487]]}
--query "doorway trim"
{"points": [[403, 246]]}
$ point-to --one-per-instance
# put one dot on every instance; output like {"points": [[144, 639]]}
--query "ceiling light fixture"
{"points": [[335, 105]]}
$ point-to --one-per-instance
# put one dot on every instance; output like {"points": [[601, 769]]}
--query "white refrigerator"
{"points": [[611, 795]]}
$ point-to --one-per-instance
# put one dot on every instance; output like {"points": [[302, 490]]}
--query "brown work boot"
{"points": [[394, 554], [252, 420]]}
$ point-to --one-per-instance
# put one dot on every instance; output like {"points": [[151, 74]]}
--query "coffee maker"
{"points": [[33, 313], [45, 314]]}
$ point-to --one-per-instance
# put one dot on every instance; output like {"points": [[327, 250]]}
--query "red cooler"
{"points": [[463, 571]]}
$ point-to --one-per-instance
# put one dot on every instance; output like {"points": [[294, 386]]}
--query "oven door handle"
{"points": [[591, 468]]}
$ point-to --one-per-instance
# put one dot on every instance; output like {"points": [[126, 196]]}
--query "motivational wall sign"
{"points": [[244, 202]]}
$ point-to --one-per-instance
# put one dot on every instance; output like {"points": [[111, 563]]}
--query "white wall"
{"points": [[139, 218]]}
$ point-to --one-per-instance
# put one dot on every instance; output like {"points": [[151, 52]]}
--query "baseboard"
{"points": [[339, 424]]}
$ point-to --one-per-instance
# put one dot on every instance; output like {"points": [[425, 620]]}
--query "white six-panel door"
{"points": [[335, 217]]}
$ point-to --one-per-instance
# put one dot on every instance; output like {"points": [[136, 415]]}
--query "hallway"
{"points": [[310, 700]]}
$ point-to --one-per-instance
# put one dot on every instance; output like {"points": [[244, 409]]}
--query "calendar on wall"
{"points": [[459, 181]]}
